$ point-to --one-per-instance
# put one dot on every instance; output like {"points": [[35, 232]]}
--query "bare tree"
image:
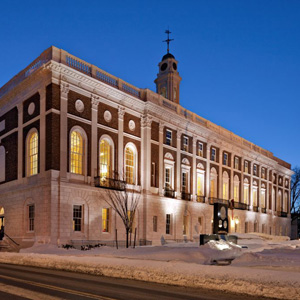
{"points": [[295, 191], [125, 203]]}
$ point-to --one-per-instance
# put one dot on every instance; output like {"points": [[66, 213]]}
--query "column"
{"points": [[178, 164], [194, 169], [42, 136], [94, 138], [231, 196], [146, 152], [121, 114], [242, 181], [207, 173], [20, 141], [251, 184], [267, 190], [161, 159], [220, 190], [64, 90]]}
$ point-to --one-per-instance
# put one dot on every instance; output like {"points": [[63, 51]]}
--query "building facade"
{"points": [[69, 131]]}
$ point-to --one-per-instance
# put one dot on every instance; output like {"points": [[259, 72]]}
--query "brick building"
{"points": [[67, 127]]}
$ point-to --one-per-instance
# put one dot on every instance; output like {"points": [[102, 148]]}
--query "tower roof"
{"points": [[168, 55]]}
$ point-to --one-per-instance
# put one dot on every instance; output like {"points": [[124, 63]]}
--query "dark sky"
{"points": [[239, 60]]}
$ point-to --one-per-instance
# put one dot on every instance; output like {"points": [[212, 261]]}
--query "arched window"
{"points": [[200, 179], [32, 151], [254, 194], [263, 196], [236, 188], [225, 180], [285, 202], [77, 151], [2, 164], [213, 183], [246, 191], [106, 154], [279, 199], [130, 163]]}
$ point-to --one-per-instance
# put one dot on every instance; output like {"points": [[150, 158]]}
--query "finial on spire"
{"points": [[168, 40]]}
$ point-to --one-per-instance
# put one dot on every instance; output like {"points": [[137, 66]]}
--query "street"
{"points": [[20, 282]]}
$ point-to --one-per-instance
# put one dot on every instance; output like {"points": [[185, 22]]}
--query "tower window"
{"points": [[185, 143], [168, 137], [213, 154]]}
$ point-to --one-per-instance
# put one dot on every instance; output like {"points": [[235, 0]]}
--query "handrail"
{"points": [[11, 239]]}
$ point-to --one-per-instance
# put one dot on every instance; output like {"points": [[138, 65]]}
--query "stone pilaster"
{"points": [[20, 141], [178, 164], [42, 136], [146, 152], [94, 138], [64, 90], [194, 170], [121, 113], [161, 159]]}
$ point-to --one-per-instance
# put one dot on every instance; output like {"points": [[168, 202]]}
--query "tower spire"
{"points": [[168, 40]]}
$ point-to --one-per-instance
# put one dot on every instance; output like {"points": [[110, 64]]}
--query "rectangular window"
{"points": [[246, 169], [225, 159], [153, 183], [77, 217], [185, 144], [200, 149], [105, 220], [155, 223], [168, 224], [200, 179], [236, 193], [31, 217], [168, 137], [184, 181], [168, 178], [236, 163], [213, 154], [255, 170], [263, 173]]}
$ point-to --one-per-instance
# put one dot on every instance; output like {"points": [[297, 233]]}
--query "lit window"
{"points": [[33, 152], [104, 159], [200, 149], [168, 178], [200, 184], [168, 224], [169, 137], [263, 173], [236, 188], [246, 169], [77, 153], [213, 154], [246, 193], [254, 196], [31, 217], [185, 143], [105, 220], [236, 163], [155, 223], [130, 164], [77, 217], [225, 180], [255, 170], [225, 159], [263, 198]]}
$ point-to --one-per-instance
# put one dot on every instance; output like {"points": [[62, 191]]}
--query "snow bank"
{"points": [[271, 272]]}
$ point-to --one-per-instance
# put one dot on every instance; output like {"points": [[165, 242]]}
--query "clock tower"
{"points": [[168, 79]]}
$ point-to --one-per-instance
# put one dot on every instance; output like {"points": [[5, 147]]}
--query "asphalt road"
{"points": [[19, 283]]}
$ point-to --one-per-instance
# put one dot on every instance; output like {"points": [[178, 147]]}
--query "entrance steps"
{"points": [[7, 246]]}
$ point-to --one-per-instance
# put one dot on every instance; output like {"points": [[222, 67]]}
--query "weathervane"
{"points": [[168, 40]]}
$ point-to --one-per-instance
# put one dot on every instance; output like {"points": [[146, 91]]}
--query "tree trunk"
{"points": [[127, 236]]}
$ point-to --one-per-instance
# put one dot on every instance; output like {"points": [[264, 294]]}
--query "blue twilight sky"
{"points": [[239, 60]]}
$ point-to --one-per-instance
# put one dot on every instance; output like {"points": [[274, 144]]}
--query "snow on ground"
{"points": [[270, 266]]}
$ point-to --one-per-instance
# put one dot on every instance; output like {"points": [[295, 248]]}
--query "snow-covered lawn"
{"points": [[270, 266]]}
